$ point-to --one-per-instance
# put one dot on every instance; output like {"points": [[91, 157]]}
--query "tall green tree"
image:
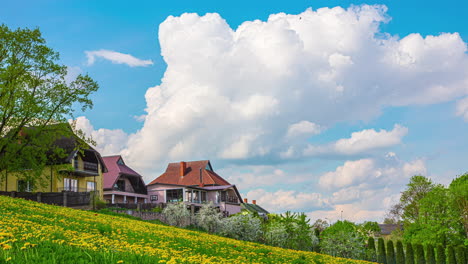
{"points": [[419, 254], [459, 194], [371, 254], [409, 254], [416, 190], [390, 253], [400, 254], [381, 254], [34, 93], [451, 255], [430, 257], [460, 254], [440, 258]]}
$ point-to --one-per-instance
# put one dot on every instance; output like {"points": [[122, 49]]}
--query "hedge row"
{"points": [[415, 253]]}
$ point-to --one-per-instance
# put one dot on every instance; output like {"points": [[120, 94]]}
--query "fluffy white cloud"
{"points": [[108, 142], [369, 171], [462, 108], [303, 128], [116, 57], [360, 142], [238, 94]]}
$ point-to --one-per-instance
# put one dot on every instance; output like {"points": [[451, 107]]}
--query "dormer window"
{"points": [[208, 167], [120, 162]]}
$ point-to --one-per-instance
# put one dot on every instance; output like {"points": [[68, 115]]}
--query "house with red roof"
{"points": [[121, 183], [195, 183]]}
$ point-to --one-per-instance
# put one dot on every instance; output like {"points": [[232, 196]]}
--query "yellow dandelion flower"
{"points": [[120, 261]]}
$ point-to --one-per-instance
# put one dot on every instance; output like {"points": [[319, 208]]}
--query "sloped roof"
{"points": [[254, 208], [387, 229], [115, 170], [191, 176]]}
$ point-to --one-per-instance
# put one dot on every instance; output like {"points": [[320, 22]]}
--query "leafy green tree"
{"points": [[416, 190], [400, 254], [342, 239], [451, 255], [459, 193], [440, 258], [369, 229], [419, 250], [409, 254], [381, 255], [460, 254], [34, 93], [430, 257], [390, 253], [371, 254]]}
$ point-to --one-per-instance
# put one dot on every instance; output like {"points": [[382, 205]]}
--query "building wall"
{"points": [[160, 191]]}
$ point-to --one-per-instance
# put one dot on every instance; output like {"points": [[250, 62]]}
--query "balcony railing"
{"points": [[229, 199], [86, 166]]}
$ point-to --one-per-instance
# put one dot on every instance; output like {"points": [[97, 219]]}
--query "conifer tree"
{"points": [[409, 254], [381, 256], [390, 253], [371, 254], [460, 254], [419, 254], [430, 258], [441, 259], [400, 254], [451, 255]]}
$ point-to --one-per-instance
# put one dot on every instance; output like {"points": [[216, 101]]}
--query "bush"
{"points": [[276, 234], [430, 258], [371, 254], [390, 252], [409, 254], [381, 256], [342, 239], [440, 254], [451, 255], [209, 218], [460, 254], [176, 214], [242, 226], [419, 250], [400, 254]]}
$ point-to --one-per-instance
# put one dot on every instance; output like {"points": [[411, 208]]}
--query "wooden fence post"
{"points": [[38, 197], [64, 199]]}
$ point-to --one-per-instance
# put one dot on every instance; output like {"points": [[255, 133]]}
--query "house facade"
{"points": [[122, 184], [195, 183], [80, 169]]}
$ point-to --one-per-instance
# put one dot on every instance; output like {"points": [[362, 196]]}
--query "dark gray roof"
{"points": [[387, 229], [254, 208]]}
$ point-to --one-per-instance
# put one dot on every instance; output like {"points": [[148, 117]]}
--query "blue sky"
{"points": [[401, 124]]}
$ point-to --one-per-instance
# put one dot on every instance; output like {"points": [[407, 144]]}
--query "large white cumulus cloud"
{"points": [[236, 94]]}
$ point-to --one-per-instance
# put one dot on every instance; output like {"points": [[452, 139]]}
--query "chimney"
{"points": [[245, 200], [254, 201], [183, 167], [201, 178]]}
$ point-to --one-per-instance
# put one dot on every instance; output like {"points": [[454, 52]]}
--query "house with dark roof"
{"points": [[254, 208], [121, 183], [195, 183], [78, 168]]}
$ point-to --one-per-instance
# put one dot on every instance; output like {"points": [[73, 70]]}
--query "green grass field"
{"points": [[36, 233]]}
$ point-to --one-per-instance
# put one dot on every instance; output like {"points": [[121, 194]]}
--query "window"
{"points": [[90, 186], [70, 185], [174, 195], [120, 185], [203, 197], [120, 162], [153, 197], [25, 186]]}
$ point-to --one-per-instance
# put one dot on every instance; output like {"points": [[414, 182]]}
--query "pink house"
{"points": [[195, 182], [121, 183]]}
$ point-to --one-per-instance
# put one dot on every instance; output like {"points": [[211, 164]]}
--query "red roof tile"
{"points": [[191, 176], [115, 170]]}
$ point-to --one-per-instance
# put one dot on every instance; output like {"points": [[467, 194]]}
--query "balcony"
{"points": [[86, 168], [228, 199]]}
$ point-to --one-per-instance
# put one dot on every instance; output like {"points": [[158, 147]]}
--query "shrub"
{"points": [[209, 218], [390, 253], [343, 240], [276, 234], [381, 256], [371, 254], [409, 254], [460, 254], [451, 255], [400, 255], [419, 250], [242, 226], [440, 254], [176, 214], [430, 258]]}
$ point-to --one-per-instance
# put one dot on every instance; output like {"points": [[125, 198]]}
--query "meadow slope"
{"points": [[32, 232]]}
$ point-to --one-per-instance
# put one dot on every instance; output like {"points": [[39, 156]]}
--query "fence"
{"points": [[64, 198], [139, 206]]}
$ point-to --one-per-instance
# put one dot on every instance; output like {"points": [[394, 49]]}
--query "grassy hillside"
{"points": [[31, 232]]}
